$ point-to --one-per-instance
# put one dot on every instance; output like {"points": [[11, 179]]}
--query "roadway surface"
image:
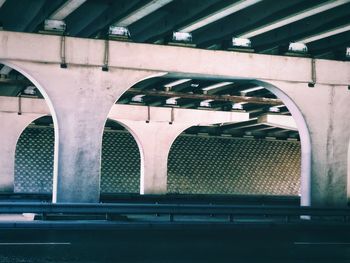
{"points": [[101, 241]]}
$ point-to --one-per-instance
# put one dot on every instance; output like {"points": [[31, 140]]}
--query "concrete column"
{"points": [[154, 140], [325, 109], [12, 126], [81, 98], [155, 130]]}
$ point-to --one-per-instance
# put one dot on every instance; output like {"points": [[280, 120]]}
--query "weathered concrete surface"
{"points": [[155, 130], [325, 109], [90, 52], [12, 126], [80, 98]]}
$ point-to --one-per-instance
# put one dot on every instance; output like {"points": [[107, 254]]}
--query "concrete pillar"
{"points": [[12, 126], [325, 109], [154, 140], [155, 130], [81, 98]]}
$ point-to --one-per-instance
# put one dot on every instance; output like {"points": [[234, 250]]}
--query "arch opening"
{"points": [[274, 119], [120, 160], [32, 103]]}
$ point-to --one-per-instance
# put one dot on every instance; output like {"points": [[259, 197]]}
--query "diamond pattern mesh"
{"points": [[213, 165], [197, 164]]}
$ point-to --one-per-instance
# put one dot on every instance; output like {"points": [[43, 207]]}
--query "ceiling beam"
{"points": [[294, 17], [2, 2], [211, 18], [66, 9], [278, 121], [142, 12], [325, 34], [255, 100]]}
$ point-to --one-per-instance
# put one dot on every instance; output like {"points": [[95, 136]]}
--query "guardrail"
{"points": [[285, 213]]}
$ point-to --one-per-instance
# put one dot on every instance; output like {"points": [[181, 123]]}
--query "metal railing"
{"points": [[230, 212]]}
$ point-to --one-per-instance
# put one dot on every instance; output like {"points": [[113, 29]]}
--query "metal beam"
{"points": [[228, 10], [294, 17], [142, 12], [278, 121], [325, 34], [2, 2], [66, 9], [254, 100]]}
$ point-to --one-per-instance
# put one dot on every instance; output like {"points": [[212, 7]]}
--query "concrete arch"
{"points": [[136, 139], [301, 124], [48, 101], [305, 140], [16, 146]]}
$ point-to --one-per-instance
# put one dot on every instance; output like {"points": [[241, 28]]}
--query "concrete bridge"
{"points": [[82, 96]]}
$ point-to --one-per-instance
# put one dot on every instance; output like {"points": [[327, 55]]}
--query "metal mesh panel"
{"points": [[214, 165]]}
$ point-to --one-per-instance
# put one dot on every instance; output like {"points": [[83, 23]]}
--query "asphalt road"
{"points": [[176, 243]]}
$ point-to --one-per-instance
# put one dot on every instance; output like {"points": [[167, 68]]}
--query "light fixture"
{"points": [[347, 53], [182, 37], [54, 26], [119, 33], [240, 44], [30, 90], [297, 47], [138, 98]]}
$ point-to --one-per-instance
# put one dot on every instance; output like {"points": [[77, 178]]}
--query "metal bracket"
{"points": [[313, 74], [63, 52], [148, 114], [106, 56]]}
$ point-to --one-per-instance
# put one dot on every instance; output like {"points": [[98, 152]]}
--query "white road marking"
{"points": [[321, 243], [34, 243]]}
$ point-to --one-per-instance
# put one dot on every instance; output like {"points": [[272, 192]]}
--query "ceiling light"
{"points": [[241, 42], [137, 98], [297, 47], [182, 37], [119, 32], [30, 90], [52, 25]]}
